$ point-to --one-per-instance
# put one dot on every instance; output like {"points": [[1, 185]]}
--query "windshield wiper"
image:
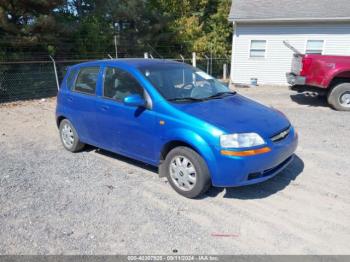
{"points": [[184, 99], [216, 96], [221, 94]]}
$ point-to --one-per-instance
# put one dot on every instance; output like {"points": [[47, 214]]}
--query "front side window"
{"points": [[314, 47], [257, 48], [119, 84], [86, 80], [181, 82]]}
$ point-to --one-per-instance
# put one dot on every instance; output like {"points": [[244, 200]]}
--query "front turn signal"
{"points": [[251, 152]]}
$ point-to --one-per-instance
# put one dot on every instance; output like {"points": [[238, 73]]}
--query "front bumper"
{"points": [[232, 171], [293, 79]]}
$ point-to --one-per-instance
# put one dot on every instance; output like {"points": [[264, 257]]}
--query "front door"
{"points": [[125, 129]]}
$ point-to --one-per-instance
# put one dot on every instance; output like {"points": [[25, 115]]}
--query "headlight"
{"points": [[241, 140]]}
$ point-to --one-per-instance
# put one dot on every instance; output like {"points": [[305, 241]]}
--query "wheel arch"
{"points": [[59, 120], [170, 145], [193, 141], [338, 78]]}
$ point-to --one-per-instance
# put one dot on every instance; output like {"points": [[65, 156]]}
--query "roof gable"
{"points": [[289, 10]]}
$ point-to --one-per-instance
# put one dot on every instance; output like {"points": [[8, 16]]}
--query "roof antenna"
{"points": [[110, 57]]}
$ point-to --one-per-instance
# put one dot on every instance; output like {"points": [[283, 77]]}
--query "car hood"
{"points": [[237, 114]]}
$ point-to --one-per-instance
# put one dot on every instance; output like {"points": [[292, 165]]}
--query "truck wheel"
{"points": [[339, 97], [69, 136], [187, 172]]}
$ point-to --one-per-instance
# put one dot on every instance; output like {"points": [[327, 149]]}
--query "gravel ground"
{"points": [[56, 202]]}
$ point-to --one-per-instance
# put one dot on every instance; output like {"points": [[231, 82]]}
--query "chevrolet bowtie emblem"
{"points": [[280, 136]]}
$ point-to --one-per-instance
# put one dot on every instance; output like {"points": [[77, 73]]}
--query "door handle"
{"points": [[70, 99], [104, 108]]}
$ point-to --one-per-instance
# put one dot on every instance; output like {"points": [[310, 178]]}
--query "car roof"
{"points": [[132, 62]]}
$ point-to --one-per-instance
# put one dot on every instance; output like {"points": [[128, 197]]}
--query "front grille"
{"points": [[280, 135]]}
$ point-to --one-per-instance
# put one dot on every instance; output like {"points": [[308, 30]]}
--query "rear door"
{"points": [[81, 103]]}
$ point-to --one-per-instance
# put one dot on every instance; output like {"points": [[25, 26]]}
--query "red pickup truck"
{"points": [[324, 74]]}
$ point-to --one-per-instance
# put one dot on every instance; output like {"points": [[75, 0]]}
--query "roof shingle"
{"points": [[270, 10]]}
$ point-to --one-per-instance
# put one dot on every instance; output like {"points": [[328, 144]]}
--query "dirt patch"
{"points": [[56, 202]]}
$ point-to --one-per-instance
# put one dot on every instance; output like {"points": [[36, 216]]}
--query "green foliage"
{"points": [[86, 28], [199, 25], [219, 30]]}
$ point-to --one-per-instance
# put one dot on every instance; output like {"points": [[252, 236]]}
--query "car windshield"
{"points": [[183, 83]]}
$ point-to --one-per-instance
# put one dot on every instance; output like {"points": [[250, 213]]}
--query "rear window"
{"points": [[86, 80]]}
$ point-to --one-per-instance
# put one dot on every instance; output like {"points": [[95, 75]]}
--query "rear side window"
{"points": [[86, 80], [119, 84]]}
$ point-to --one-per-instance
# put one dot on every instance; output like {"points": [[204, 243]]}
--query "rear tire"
{"points": [[339, 97], [69, 137], [186, 172]]}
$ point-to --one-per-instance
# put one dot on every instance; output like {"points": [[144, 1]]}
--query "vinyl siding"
{"points": [[277, 61]]}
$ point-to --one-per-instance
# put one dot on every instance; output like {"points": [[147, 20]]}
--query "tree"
{"points": [[198, 25], [80, 28], [28, 25], [219, 30]]}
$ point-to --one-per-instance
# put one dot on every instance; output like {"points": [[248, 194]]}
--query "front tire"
{"points": [[69, 137], [186, 172], [339, 97]]}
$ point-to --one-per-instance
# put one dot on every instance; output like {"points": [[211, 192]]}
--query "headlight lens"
{"points": [[241, 140]]}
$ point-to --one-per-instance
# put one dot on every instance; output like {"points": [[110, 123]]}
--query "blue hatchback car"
{"points": [[174, 116]]}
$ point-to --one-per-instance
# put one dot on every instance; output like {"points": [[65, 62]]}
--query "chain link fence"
{"points": [[215, 66], [36, 79], [26, 81], [30, 80]]}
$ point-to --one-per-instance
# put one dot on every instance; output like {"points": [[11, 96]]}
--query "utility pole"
{"points": [[115, 46]]}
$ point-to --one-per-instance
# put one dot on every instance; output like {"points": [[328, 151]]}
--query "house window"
{"points": [[257, 48], [314, 47]]}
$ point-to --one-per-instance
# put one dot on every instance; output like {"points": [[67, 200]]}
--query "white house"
{"points": [[261, 26]]}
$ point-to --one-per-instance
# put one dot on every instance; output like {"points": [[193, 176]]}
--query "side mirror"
{"points": [[135, 100]]}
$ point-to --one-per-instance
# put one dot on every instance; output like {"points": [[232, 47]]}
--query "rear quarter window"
{"points": [[86, 80], [71, 78]]}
